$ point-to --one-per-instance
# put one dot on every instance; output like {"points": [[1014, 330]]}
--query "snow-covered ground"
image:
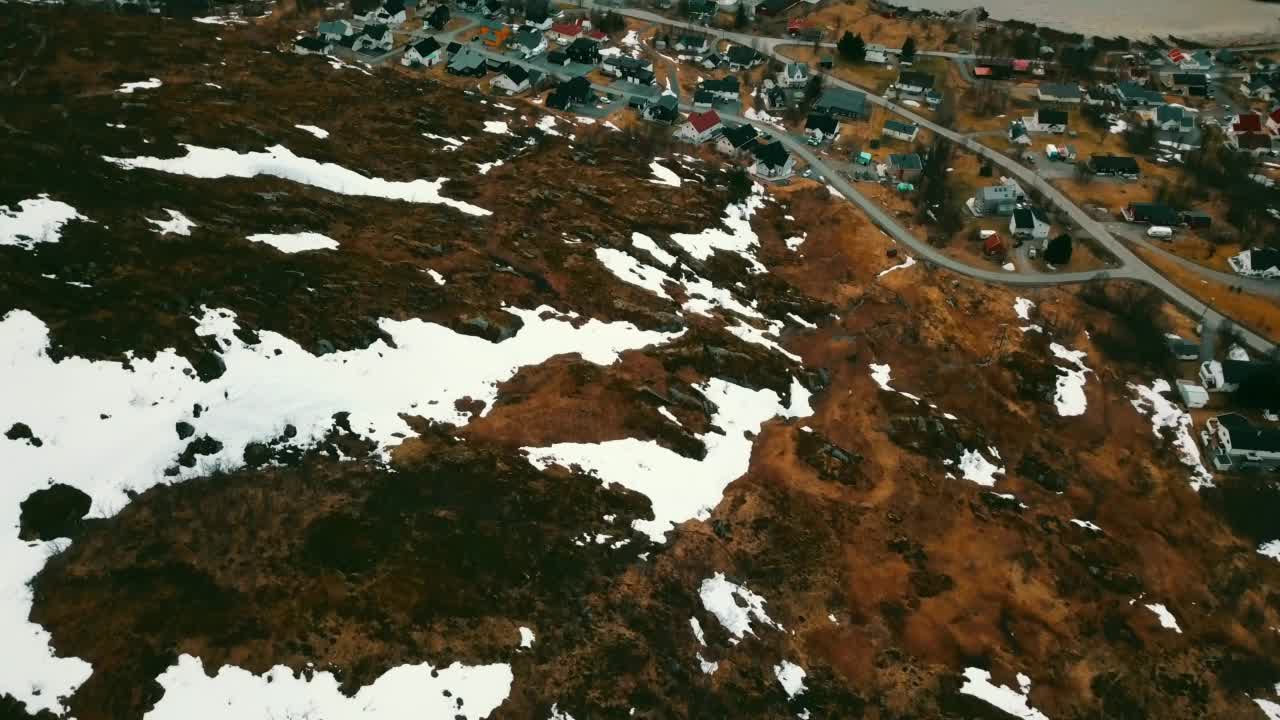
{"points": [[109, 427], [296, 242], [1165, 414], [318, 132], [975, 467], [736, 236], [1069, 396], [37, 220], [277, 160], [407, 691], [177, 224], [663, 175], [790, 677], [130, 88], [901, 266], [1167, 620], [681, 488], [735, 606], [978, 684]]}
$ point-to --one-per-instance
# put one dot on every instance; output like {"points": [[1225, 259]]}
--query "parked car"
{"points": [[1160, 231]]}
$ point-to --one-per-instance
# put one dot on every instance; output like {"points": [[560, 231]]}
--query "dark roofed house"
{"points": [[584, 50], [724, 90], [467, 62], [906, 167], [665, 109], [1258, 262], [914, 83], [1114, 166], [1151, 214], [1051, 121], [439, 17], [842, 103], [773, 162], [821, 128], [557, 57], [312, 46], [1237, 444], [1190, 83], [905, 132], [703, 98], [742, 57], [571, 93], [515, 79], [739, 139], [1059, 93]]}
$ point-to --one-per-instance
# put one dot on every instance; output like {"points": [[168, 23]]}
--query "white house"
{"points": [[794, 74], [1236, 444], [1227, 375], [1029, 223], [700, 127], [424, 53], [1257, 87], [821, 128], [905, 132], [773, 162], [1046, 121], [386, 15], [1258, 262], [878, 54], [515, 79], [312, 46], [373, 37], [1192, 395]]}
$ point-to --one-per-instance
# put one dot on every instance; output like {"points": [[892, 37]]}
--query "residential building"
{"points": [[741, 57], [906, 167], [842, 103], [913, 83], [1114, 166], [1258, 87], [467, 62], [773, 95], [495, 35], [1258, 262], [438, 18], [821, 128], [993, 246], [636, 70], [692, 44], [373, 39], [700, 127], [515, 79], [1256, 144], [1226, 376], [773, 162], [898, 130], [1059, 93], [334, 30], [1151, 214], [1233, 443], [1029, 224], [1273, 121], [794, 75], [1173, 118], [566, 32], [1190, 84], [1018, 133], [736, 140], [878, 54], [1046, 121], [558, 57], [424, 53], [1135, 95], [1181, 348], [664, 109], [584, 50], [571, 93], [530, 42], [1000, 199], [723, 90], [390, 14]]}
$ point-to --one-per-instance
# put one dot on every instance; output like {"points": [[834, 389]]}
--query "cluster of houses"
{"points": [[769, 159], [1255, 133]]}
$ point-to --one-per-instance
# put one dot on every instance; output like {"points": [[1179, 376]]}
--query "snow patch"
{"points": [[790, 677], [735, 606], [794, 243], [296, 242], [1167, 620], [664, 175], [738, 238], [1069, 396], [38, 220], [278, 161], [1166, 414], [632, 271], [497, 127], [1023, 308], [129, 88], [1086, 524], [526, 637], [471, 692], [976, 468], [978, 684], [1270, 549], [178, 224], [318, 132], [905, 264], [437, 277], [646, 243]]}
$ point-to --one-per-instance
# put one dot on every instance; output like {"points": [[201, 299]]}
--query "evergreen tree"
{"points": [[1059, 250], [909, 50], [852, 47]]}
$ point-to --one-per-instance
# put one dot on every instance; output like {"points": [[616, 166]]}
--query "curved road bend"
{"points": [[1132, 266]]}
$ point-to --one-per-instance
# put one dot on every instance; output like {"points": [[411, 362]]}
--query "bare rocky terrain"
{"points": [[887, 570]]}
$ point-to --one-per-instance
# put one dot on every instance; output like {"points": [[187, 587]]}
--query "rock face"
{"points": [[56, 511]]}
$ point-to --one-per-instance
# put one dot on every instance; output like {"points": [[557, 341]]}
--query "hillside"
{"points": [[359, 392]]}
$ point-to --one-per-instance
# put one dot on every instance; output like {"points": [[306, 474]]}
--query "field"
{"points": [[1260, 314]]}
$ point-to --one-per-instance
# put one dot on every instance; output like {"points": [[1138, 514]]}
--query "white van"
{"points": [[1160, 231]]}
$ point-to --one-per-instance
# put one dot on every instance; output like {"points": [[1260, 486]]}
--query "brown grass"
{"points": [[1254, 312], [880, 30]]}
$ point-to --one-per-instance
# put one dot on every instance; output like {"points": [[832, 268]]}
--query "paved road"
{"points": [[1254, 286]]}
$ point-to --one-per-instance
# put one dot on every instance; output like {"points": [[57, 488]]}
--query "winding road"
{"points": [[1131, 266]]}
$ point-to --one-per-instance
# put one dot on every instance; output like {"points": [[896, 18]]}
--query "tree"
{"points": [[739, 183], [1059, 250], [536, 11], [1141, 138], [852, 48], [909, 50], [740, 19]]}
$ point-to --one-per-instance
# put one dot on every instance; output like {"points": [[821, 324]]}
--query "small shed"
{"points": [[1193, 395], [993, 246]]}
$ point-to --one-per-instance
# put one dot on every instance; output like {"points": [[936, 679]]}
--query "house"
{"points": [[424, 53], [496, 64], [775, 7], [1227, 57], [1258, 262], [703, 99], [742, 57], [1134, 95], [1200, 60], [1097, 95], [773, 162], [1273, 121], [774, 96], [566, 32], [794, 75], [1171, 118], [1047, 121], [821, 128], [636, 70], [993, 246], [312, 46], [334, 30], [1234, 443], [1191, 394], [692, 44], [1059, 93], [827, 62], [905, 132], [584, 50], [1151, 214], [1190, 84], [1000, 199], [373, 38], [663, 109], [913, 83], [495, 35], [1258, 87], [724, 90], [558, 57], [1251, 143], [470, 6], [932, 97], [1227, 376], [1181, 348], [700, 127], [439, 18], [1247, 123], [737, 140], [530, 42], [467, 62], [515, 79], [452, 48], [1018, 133], [1114, 166], [494, 9], [878, 54], [571, 93], [391, 14], [1029, 223], [702, 10], [1197, 219], [842, 103], [906, 168]]}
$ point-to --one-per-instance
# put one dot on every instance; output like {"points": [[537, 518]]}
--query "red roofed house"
{"points": [[1176, 56], [700, 127], [1255, 144], [1273, 122], [993, 246], [597, 36], [565, 33], [1247, 123]]}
